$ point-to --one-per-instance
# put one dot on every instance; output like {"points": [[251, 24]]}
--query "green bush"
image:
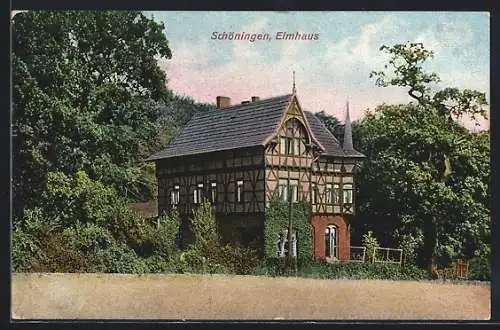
{"points": [[238, 260], [26, 250], [119, 258], [87, 238], [204, 226], [371, 244], [276, 222], [160, 264], [479, 269], [339, 270]]}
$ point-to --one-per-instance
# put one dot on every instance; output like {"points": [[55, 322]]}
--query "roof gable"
{"points": [[247, 125]]}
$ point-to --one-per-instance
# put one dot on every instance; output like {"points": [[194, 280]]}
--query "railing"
{"points": [[458, 270], [357, 254], [387, 255]]}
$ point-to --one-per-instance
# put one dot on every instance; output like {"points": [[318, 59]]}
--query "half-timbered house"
{"points": [[240, 157]]}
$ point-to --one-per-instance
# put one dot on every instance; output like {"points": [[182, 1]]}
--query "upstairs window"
{"points": [[329, 193], [288, 189], [336, 194], [198, 194], [314, 193], [283, 189], [174, 195], [283, 145], [347, 193], [294, 190], [213, 192], [289, 146], [239, 191]]}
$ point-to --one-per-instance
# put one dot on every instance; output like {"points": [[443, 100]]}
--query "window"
{"points": [[331, 242], [174, 195], [198, 194], [283, 146], [294, 190], [283, 189], [288, 188], [213, 192], [239, 191], [282, 246], [314, 193], [289, 146], [329, 193], [336, 194], [348, 193], [296, 147]]}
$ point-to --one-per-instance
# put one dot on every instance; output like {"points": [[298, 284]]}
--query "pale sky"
{"points": [[330, 70]]}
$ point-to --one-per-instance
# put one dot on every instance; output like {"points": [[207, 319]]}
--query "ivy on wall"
{"points": [[276, 222]]}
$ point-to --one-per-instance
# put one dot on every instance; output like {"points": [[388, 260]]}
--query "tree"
{"points": [[406, 64], [86, 88], [425, 175]]}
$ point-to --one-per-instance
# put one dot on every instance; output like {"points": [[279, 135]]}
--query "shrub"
{"points": [[350, 270], [409, 244], [26, 250], [164, 237], [87, 238], [119, 258], [371, 244], [190, 261], [204, 226], [238, 260], [479, 269]]}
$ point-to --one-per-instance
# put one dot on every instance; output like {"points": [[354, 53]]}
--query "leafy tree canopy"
{"points": [[405, 69], [426, 178], [86, 88]]}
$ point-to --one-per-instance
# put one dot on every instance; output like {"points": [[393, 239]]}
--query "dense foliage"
{"points": [[90, 103], [349, 270], [83, 226], [86, 88], [426, 179], [276, 223]]}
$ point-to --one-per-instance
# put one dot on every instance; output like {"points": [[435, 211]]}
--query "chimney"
{"points": [[223, 102], [255, 98]]}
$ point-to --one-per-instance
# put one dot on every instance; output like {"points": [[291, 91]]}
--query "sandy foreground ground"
{"points": [[120, 296]]}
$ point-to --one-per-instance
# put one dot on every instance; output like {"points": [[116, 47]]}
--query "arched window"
{"points": [[293, 138], [331, 241]]}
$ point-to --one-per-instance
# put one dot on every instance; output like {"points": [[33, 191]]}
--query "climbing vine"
{"points": [[276, 222]]}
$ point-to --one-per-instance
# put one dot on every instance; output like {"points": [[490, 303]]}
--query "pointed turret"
{"points": [[347, 144]]}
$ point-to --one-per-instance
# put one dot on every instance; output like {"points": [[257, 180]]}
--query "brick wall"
{"points": [[320, 223]]}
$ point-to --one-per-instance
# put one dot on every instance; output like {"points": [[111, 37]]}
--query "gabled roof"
{"points": [[240, 126]]}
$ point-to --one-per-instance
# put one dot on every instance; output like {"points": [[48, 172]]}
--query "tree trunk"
{"points": [[430, 245]]}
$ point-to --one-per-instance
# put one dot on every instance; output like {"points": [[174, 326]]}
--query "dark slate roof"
{"points": [[324, 136], [327, 139], [240, 126]]}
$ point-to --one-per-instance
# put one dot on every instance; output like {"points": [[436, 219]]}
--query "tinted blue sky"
{"points": [[329, 70]]}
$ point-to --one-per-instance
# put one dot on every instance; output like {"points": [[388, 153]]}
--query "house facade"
{"points": [[241, 157]]}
